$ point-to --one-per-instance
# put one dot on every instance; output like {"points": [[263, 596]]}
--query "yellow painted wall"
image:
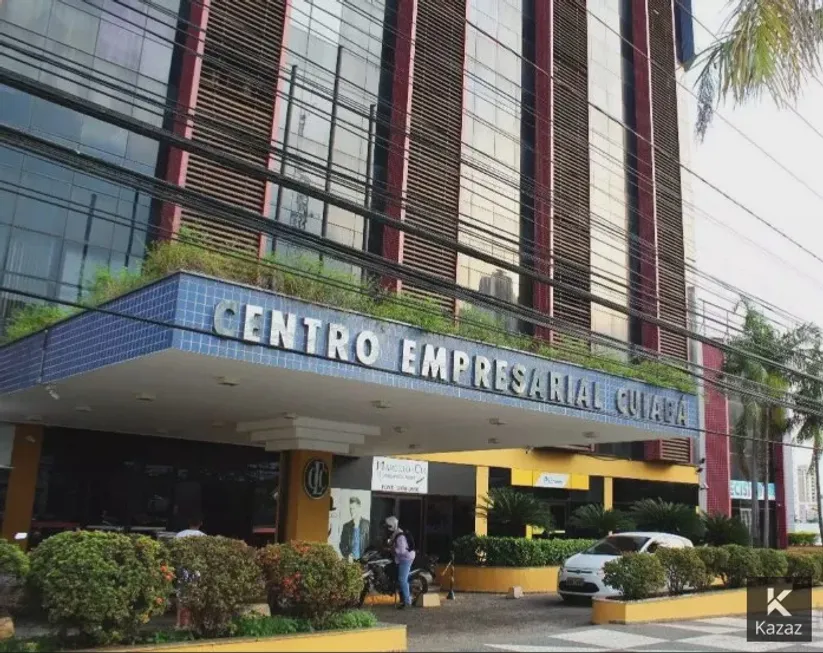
{"points": [[25, 462], [561, 462], [608, 493], [481, 524], [306, 518], [677, 608], [381, 638], [498, 580]]}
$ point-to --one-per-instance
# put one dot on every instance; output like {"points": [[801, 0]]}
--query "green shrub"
{"points": [[351, 620], [309, 580], [716, 560], [217, 576], [773, 563], [480, 550], [261, 626], [744, 563], [635, 575], [106, 585], [684, 568], [14, 571], [721, 530], [665, 517], [803, 566], [802, 539]]}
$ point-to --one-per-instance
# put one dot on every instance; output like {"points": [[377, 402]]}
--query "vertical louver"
{"points": [[571, 229], [669, 200], [234, 113], [433, 189]]}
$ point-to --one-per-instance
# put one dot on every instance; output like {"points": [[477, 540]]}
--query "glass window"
{"points": [[618, 545], [73, 26]]}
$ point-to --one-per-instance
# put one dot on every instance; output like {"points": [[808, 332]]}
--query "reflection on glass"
{"points": [[490, 184], [51, 207]]}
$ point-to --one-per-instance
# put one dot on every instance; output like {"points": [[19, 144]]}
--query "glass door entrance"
{"points": [[409, 510]]}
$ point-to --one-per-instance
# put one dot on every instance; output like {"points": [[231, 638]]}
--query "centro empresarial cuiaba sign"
{"points": [[335, 341]]}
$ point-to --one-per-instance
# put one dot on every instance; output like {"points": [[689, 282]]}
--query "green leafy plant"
{"points": [[351, 620], [217, 576], [596, 521], [306, 277], [716, 560], [106, 585], [744, 563], [14, 571], [803, 566], [773, 563], [666, 517], [635, 575], [262, 626], [480, 550], [309, 580], [721, 530], [684, 568], [802, 539], [510, 511]]}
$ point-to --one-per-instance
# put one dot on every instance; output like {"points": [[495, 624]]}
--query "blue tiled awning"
{"points": [[212, 318]]}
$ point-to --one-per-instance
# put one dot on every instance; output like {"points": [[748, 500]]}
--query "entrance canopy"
{"points": [[209, 360]]}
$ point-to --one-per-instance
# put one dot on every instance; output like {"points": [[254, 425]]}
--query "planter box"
{"points": [[380, 638], [498, 580], [721, 603]]}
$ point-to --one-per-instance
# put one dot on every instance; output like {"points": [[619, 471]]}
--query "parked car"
{"points": [[582, 574]]}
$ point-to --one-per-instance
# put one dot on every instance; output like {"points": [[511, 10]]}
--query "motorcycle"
{"points": [[380, 575]]}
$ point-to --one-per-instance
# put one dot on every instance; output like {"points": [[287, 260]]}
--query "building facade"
{"points": [[544, 137]]}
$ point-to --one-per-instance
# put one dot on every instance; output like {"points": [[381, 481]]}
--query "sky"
{"points": [[730, 243]]}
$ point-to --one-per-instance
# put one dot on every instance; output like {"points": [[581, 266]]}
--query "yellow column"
{"points": [[25, 463], [307, 517], [608, 497], [481, 485]]}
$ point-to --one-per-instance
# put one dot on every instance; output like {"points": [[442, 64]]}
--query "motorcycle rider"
{"points": [[403, 558]]}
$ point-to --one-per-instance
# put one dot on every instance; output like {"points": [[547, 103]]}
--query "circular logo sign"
{"points": [[316, 478]]}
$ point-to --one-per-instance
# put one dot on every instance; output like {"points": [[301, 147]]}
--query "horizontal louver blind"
{"points": [[572, 229], [671, 253], [242, 35], [676, 450], [433, 189]]}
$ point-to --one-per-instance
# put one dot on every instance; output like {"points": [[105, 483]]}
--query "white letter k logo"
{"points": [[776, 603]]}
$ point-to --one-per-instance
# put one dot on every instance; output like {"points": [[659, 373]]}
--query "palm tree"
{"points": [[809, 355], [758, 381], [595, 520], [767, 47], [666, 517], [511, 511]]}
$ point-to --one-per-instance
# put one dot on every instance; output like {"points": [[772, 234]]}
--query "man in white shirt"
{"points": [[193, 530]]}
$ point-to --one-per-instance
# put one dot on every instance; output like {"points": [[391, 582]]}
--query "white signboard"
{"points": [[552, 480], [392, 475]]}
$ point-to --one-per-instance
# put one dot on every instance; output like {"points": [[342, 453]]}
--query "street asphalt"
{"points": [[544, 624]]}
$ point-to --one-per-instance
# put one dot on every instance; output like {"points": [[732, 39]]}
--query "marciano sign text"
{"points": [[439, 363]]}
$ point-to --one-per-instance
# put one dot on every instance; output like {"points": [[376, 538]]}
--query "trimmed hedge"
{"points": [[636, 575], [802, 539], [483, 551]]}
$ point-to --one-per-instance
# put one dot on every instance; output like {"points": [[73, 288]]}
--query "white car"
{"points": [[582, 574]]}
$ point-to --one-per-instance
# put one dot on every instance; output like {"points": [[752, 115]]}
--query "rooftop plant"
{"points": [[307, 278]]}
